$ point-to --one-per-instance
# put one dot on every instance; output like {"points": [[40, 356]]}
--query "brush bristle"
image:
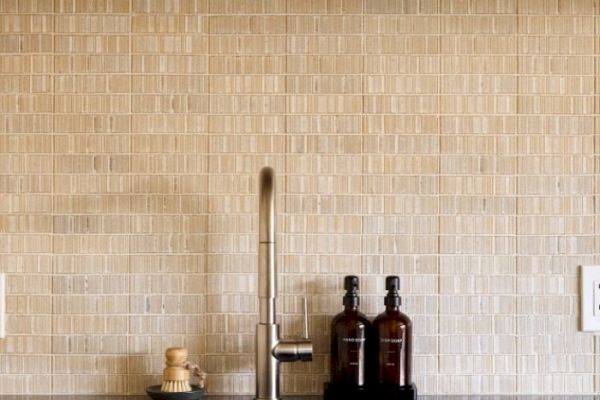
{"points": [[176, 386]]}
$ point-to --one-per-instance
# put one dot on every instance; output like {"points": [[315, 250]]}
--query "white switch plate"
{"points": [[596, 298], [2, 306], [590, 298]]}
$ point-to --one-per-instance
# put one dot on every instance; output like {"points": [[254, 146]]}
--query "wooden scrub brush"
{"points": [[176, 375]]}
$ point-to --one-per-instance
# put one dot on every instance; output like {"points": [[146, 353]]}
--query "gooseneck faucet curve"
{"points": [[270, 349]]}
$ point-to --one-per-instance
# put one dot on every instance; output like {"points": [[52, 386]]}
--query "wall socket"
{"points": [[590, 298]]}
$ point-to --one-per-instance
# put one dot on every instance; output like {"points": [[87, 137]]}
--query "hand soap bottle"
{"points": [[393, 340], [350, 338]]}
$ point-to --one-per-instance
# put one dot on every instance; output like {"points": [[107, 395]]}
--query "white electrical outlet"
{"points": [[590, 298]]}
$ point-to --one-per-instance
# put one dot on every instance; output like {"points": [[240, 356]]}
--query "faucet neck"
{"points": [[270, 349], [267, 268], [266, 210]]}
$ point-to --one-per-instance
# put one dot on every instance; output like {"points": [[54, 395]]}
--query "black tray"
{"points": [[343, 392], [155, 393], [397, 393], [337, 392]]}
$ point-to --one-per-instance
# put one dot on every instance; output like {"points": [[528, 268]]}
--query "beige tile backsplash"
{"points": [[452, 142]]}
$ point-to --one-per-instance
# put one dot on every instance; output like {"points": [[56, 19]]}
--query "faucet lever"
{"points": [[305, 308]]}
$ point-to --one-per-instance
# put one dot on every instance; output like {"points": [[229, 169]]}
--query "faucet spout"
{"points": [[266, 212], [270, 349], [267, 267]]}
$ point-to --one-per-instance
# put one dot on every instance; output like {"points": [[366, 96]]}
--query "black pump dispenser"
{"points": [[351, 298], [350, 342], [392, 285], [371, 361], [393, 342]]}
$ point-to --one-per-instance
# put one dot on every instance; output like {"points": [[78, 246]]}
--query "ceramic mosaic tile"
{"points": [[451, 142]]}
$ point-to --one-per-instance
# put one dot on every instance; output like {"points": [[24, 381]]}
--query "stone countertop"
{"points": [[246, 397]]}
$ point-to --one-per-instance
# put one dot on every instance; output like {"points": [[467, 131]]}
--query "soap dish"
{"points": [[155, 393]]}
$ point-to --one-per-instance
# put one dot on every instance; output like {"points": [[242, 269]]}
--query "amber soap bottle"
{"points": [[393, 340], [350, 339]]}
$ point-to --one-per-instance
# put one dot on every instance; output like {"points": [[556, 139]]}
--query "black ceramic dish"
{"points": [[155, 393]]}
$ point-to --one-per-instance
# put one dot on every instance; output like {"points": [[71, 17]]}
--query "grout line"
{"points": [[516, 196], [439, 186], [363, 132], [53, 206], [300, 14], [130, 182], [596, 348], [203, 272], [286, 143], [520, 116], [206, 274]]}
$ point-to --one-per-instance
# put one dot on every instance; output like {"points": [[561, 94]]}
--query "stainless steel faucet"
{"points": [[270, 349]]}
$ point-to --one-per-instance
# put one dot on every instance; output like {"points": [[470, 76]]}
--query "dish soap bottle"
{"points": [[393, 340], [350, 338]]}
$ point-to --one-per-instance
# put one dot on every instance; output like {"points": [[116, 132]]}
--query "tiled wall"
{"points": [[453, 142]]}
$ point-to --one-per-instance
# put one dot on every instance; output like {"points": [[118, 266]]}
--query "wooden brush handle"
{"points": [[176, 362], [176, 356]]}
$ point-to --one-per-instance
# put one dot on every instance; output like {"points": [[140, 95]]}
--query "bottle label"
{"points": [[392, 340], [351, 358], [355, 351], [354, 339], [392, 357], [392, 348]]}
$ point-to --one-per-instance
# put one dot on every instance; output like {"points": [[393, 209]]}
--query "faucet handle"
{"points": [[294, 350], [305, 308]]}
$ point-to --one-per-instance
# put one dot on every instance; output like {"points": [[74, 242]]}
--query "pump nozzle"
{"points": [[351, 286], [351, 283], [392, 285]]}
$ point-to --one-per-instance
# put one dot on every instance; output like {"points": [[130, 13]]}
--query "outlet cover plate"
{"points": [[590, 298]]}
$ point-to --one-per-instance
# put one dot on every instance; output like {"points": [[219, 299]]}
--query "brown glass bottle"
{"points": [[392, 332], [350, 338]]}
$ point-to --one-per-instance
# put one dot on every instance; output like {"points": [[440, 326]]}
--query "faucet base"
{"points": [[267, 366]]}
